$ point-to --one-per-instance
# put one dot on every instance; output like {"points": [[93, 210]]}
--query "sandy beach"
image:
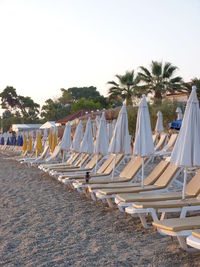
{"points": [[44, 224]]}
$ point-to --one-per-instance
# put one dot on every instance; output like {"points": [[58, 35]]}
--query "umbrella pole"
{"points": [[114, 163], [184, 183], [96, 163], [142, 172]]}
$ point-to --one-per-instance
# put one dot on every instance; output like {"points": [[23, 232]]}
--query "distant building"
{"points": [[25, 127], [179, 97]]}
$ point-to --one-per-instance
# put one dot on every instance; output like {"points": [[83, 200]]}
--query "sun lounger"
{"points": [[179, 227], [166, 150], [127, 179], [193, 240], [161, 142], [104, 171], [161, 184]]}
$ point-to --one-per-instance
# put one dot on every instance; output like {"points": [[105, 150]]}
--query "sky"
{"points": [[46, 45]]}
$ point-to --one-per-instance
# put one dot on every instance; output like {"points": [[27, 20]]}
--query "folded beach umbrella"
{"points": [[179, 113], [30, 143], [120, 142], [54, 140], [186, 152], [66, 140], [87, 145], [143, 145], [109, 130], [50, 138], [45, 135], [24, 147], [159, 124], [38, 148], [96, 124], [78, 136], [102, 143]]}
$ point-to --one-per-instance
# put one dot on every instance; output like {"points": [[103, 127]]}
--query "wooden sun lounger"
{"points": [[179, 227], [161, 142]]}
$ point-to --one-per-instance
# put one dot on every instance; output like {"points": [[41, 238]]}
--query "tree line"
{"points": [[158, 80]]}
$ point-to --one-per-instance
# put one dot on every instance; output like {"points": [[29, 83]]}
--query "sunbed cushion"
{"points": [[193, 187], [167, 204], [196, 233], [178, 224]]}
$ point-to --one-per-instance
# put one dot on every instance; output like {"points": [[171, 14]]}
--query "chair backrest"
{"points": [[167, 175], [83, 158], [154, 136], [156, 172], [106, 163], [91, 164], [110, 167], [72, 158], [193, 187], [55, 153], [161, 142], [171, 142], [132, 168]]}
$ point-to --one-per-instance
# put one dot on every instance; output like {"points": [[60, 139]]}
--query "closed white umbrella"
{"points": [[78, 136], [96, 124], [120, 142], [179, 113], [186, 152], [66, 139], [109, 130], [102, 143], [143, 145], [159, 123]]}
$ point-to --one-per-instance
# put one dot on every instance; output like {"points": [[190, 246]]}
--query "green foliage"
{"points": [[125, 88], [54, 110], [86, 92], [9, 98], [160, 79], [84, 104]]}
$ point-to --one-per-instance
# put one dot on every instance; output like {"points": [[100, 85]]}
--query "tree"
{"points": [[9, 98], [160, 79], [196, 81], [86, 92], [84, 104], [28, 108], [54, 110], [125, 88], [66, 97]]}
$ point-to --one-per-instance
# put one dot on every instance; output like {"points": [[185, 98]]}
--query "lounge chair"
{"points": [[193, 240], [77, 169], [179, 227], [162, 141], [126, 179], [104, 171], [126, 200], [160, 185], [166, 150]]}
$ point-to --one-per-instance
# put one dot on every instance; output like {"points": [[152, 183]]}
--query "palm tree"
{"points": [[195, 81], [160, 79], [125, 88]]}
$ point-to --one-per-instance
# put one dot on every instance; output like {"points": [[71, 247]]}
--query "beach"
{"points": [[42, 223]]}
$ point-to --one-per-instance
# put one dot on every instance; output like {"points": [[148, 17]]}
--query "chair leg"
{"points": [[143, 220], [109, 201]]}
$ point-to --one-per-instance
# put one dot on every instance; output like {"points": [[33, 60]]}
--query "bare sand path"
{"points": [[43, 224]]}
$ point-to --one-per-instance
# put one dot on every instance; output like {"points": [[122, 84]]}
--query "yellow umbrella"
{"points": [[30, 144], [24, 147], [50, 138], [54, 141], [39, 147]]}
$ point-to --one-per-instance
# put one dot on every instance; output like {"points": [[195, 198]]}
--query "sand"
{"points": [[44, 224]]}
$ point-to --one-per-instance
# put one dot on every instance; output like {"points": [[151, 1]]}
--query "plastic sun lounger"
{"points": [[168, 147], [75, 170], [126, 200], [160, 185], [179, 227], [127, 176], [193, 240], [168, 205], [81, 185], [70, 161], [104, 171], [161, 142]]}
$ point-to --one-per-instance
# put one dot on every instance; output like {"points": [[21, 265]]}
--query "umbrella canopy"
{"points": [[54, 140], [38, 147], [87, 145], [66, 139], [102, 143], [95, 125], [24, 147], [30, 144], [186, 152], [159, 124], [179, 113], [109, 130], [143, 145], [78, 136], [121, 141]]}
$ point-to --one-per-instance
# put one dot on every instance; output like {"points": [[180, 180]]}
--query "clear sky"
{"points": [[46, 45]]}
